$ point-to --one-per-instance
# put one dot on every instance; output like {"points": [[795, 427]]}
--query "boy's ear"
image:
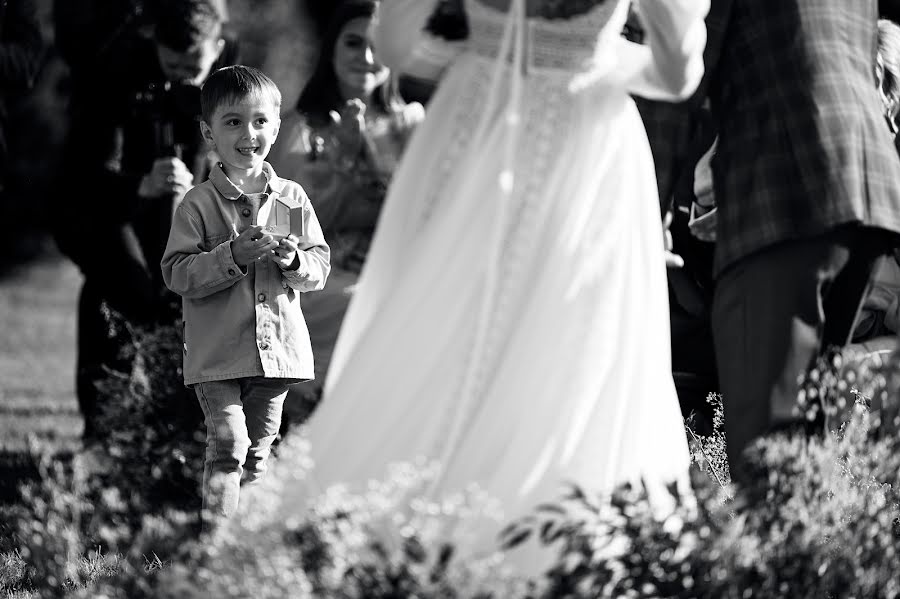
{"points": [[277, 129], [206, 132]]}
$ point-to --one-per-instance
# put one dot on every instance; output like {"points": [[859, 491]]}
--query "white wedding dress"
{"points": [[511, 322]]}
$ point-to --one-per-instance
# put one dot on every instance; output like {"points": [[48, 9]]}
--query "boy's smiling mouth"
{"points": [[248, 151]]}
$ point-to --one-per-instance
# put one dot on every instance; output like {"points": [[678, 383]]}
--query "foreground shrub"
{"points": [[386, 542], [152, 447], [819, 518], [147, 462]]}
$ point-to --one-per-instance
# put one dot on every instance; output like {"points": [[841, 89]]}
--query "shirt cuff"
{"points": [[293, 266], [226, 260]]}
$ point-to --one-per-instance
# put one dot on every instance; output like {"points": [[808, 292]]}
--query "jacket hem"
{"points": [[297, 376]]}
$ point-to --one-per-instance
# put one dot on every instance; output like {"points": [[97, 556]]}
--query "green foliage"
{"points": [[148, 459], [709, 451], [388, 541], [819, 517], [146, 465]]}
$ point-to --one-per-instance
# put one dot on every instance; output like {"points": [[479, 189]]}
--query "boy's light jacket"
{"points": [[241, 322]]}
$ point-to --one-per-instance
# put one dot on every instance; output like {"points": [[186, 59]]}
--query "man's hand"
{"points": [[168, 177], [286, 252], [703, 227], [251, 245], [673, 260]]}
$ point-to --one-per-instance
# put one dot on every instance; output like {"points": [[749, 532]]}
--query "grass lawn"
{"points": [[38, 305]]}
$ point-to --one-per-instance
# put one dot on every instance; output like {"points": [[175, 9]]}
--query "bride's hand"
{"points": [[673, 260]]}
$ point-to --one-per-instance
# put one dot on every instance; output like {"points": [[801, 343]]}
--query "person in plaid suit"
{"points": [[807, 183]]}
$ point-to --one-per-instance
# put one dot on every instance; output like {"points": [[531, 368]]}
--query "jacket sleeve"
{"points": [[313, 263], [190, 271], [92, 156]]}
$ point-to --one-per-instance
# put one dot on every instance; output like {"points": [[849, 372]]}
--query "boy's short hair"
{"points": [[236, 83], [183, 24]]}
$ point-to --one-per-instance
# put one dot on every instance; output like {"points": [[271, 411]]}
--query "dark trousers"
{"points": [[101, 345], [774, 312], [118, 287]]}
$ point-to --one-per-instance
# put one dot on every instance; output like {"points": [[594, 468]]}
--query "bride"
{"points": [[511, 321]]}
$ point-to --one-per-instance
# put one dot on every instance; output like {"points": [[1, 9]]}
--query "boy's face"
{"points": [[243, 133], [191, 66]]}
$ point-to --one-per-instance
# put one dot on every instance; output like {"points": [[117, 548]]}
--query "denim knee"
{"points": [[227, 446]]}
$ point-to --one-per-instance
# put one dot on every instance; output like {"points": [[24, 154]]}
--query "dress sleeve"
{"points": [[401, 25], [670, 65]]}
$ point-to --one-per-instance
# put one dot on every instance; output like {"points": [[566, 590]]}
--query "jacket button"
{"points": [[245, 212], [261, 297], [231, 272], [284, 285]]}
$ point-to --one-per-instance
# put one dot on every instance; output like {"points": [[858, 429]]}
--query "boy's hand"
{"points": [[286, 252], [251, 245]]}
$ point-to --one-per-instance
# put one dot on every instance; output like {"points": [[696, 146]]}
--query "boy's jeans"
{"points": [[243, 417]]}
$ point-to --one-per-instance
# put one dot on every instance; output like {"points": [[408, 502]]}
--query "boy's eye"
{"points": [[262, 120], [232, 122]]}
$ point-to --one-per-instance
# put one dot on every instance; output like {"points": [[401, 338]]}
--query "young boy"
{"points": [[245, 337]]}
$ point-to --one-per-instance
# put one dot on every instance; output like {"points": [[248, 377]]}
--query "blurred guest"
{"points": [[807, 189], [880, 314], [135, 145], [679, 134], [342, 143], [443, 38]]}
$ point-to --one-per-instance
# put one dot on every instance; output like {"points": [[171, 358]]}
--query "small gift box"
{"points": [[282, 216]]}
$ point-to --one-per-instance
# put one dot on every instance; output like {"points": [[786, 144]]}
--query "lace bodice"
{"points": [[570, 44]]}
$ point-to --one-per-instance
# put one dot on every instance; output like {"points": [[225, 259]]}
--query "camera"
{"points": [[168, 107]]}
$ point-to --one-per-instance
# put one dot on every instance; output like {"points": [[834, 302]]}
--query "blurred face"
{"points": [[357, 70], [191, 66], [242, 134]]}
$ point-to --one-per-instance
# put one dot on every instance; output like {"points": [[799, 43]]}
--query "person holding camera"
{"points": [[137, 148]]}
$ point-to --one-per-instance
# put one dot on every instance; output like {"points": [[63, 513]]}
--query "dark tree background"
{"points": [[890, 9]]}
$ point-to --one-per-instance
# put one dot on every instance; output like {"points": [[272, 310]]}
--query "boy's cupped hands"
{"points": [[254, 243], [251, 245], [285, 254]]}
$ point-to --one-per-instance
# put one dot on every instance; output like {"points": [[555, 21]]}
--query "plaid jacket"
{"points": [[803, 145]]}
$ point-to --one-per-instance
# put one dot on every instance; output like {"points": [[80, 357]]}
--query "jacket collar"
{"points": [[224, 185]]}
